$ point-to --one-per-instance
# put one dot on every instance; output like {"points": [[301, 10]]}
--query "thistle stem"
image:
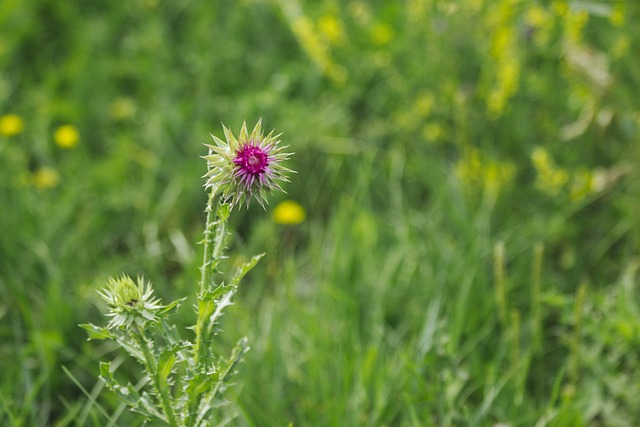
{"points": [[160, 386], [215, 231], [209, 234]]}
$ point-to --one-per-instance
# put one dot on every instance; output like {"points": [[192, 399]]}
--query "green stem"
{"points": [[206, 269], [215, 231], [152, 367]]}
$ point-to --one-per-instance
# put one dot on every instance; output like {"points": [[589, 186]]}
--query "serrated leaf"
{"points": [[148, 406], [245, 268], [215, 293], [167, 360], [130, 347], [171, 306], [220, 305], [128, 394], [241, 347], [97, 332]]}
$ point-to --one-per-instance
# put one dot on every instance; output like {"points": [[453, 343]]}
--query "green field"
{"points": [[469, 171]]}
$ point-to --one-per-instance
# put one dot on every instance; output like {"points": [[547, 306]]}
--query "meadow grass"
{"points": [[469, 172]]}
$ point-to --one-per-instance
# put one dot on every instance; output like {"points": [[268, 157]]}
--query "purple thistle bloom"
{"points": [[252, 163], [247, 166]]}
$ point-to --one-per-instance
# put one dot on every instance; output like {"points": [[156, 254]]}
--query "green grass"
{"points": [[390, 305]]}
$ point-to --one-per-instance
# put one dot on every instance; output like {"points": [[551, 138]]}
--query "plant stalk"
{"points": [[152, 366], [215, 231]]}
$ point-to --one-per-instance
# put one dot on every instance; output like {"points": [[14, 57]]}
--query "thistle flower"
{"points": [[248, 166], [130, 303]]}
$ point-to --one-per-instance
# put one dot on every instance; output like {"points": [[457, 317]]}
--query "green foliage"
{"points": [[427, 134]]}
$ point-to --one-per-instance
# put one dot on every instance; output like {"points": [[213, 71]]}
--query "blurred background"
{"points": [[460, 245]]}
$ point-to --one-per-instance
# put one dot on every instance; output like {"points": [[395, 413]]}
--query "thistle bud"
{"points": [[130, 302]]}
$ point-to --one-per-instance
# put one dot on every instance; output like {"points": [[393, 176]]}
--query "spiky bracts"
{"points": [[247, 167]]}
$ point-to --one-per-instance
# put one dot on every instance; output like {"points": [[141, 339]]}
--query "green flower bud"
{"points": [[130, 302]]}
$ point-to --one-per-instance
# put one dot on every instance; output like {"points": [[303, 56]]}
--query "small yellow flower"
{"points": [[536, 16], [11, 124], [289, 212], [45, 178], [617, 15], [66, 136], [331, 28]]}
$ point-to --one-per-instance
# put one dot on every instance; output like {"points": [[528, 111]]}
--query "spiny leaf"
{"points": [[217, 292], [167, 359], [131, 347], [128, 394], [171, 306], [97, 332], [245, 268]]}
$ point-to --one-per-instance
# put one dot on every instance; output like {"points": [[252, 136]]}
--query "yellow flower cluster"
{"points": [[331, 29], [478, 173], [617, 14], [550, 178], [541, 23], [622, 43], [573, 20], [505, 56], [313, 42], [576, 185]]}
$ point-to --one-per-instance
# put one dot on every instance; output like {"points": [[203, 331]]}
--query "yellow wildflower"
{"points": [[477, 172], [551, 179], [316, 48], [560, 7], [66, 136], [469, 167], [574, 24], [45, 178], [11, 124], [497, 174], [331, 28], [617, 15], [536, 16], [289, 212]]}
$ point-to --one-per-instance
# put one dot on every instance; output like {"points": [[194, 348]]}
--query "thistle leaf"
{"points": [[171, 306], [215, 293], [245, 268], [130, 346], [167, 360], [128, 394], [96, 332]]}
